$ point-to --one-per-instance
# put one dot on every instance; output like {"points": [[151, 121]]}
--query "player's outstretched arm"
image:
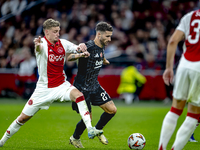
{"points": [[38, 45], [73, 57]]}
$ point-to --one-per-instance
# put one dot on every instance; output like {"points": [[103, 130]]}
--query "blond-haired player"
{"points": [[52, 85]]}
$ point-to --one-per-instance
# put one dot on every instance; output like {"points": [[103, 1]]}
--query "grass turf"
{"points": [[51, 129]]}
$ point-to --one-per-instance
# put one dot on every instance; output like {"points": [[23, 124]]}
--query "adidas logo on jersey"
{"points": [[97, 55]]}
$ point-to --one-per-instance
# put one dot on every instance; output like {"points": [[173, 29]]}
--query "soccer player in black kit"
{"points": [[86, 81]]}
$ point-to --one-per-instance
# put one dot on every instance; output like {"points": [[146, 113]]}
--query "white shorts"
{"points": [[187, 86], [43, 97]]}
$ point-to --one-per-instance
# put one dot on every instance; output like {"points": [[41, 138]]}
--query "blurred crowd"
{"points": [[141, 28]]}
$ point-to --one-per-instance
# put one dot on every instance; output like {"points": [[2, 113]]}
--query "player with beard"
{"points": [[86, 81]]}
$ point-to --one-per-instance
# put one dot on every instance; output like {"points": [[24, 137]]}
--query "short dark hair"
{"points": [[103, 26]]}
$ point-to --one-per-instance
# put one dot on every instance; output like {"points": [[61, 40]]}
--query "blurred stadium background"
{"points": [[141, 32]]}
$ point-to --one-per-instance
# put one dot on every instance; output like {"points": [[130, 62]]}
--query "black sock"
{"points": [[80, 127], [105, 117]]}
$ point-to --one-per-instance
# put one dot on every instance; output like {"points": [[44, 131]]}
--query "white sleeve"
{"points": [[69, 46], [185, 22], [181, 25]]}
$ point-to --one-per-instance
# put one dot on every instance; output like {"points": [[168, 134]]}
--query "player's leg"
{"points": [[14, 127], [187, 128], [77, 96], [109, 112], [193, 96], [180, 92], [102, 99], [169, 122], [26, 114], [80, 127]]}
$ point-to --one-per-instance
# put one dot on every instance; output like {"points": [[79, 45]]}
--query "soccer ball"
{"points": [[136, 141]]}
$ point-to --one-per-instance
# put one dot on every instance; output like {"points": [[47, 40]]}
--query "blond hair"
{"points": [[49, 23]]}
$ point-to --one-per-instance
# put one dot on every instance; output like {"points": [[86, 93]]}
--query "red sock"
{"points": [[176, 111], [79, 99]]}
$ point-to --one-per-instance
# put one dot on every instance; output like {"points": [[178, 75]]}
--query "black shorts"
{"points": [[96, 98]]}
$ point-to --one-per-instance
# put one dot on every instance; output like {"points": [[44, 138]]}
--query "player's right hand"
{"points": [[168, 76], [37, 41]]}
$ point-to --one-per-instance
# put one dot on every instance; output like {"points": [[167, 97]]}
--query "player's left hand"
{"points": [[85, 54], [81, 48], [106, 62]]}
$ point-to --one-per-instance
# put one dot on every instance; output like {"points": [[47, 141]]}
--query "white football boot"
{"points": [[75, 142], [92, 132]]}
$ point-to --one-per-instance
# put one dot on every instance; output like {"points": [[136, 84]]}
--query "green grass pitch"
{"points": [[50, 129]]}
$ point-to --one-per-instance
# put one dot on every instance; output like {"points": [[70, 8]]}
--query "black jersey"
{"points": [[88, 68]]}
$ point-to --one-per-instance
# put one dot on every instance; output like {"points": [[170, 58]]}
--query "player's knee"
{"points": [[23, 118], [79, 94], [113, 110], [20, 120], [75, 94]]}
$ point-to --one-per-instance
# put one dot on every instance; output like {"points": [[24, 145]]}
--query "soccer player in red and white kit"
{"points": [[50, 54], [186, 86]]}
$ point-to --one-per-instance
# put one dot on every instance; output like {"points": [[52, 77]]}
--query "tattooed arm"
{"points": [[73, 57]]}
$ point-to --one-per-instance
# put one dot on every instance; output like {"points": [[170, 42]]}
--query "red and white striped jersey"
{"points": [[50, 62], [190, 25]]}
